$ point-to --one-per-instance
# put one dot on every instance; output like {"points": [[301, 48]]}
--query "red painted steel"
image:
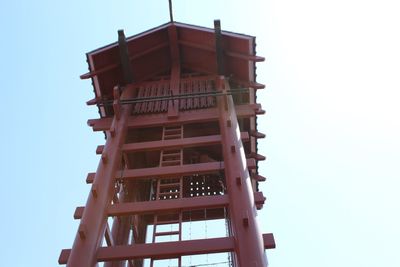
{"points": [[169, 249], [94, 217], [168, 130], [173, 105], [175, 204], [168, 171], [177, 143], [201, 115], [248, 239]]}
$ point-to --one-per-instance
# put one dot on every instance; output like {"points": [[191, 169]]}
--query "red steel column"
{"points": [[93, 222], [120, 232], [249, 245]]}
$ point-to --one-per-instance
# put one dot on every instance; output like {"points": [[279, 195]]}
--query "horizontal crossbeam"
{"points": [[228, 53], [152, 120], [170, 205], [167, 97], [177, 143], [182, 204], [189, 169], [166, 250]]}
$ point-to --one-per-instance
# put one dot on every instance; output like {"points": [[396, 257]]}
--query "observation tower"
{"points": [[178, 106]]}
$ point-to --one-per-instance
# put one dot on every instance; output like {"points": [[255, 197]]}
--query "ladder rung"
{"points": [[167, 233], [177, 154], [168, 222], [173, 127], [174, 130], [172, 151], [172, 136], [171, 160]]}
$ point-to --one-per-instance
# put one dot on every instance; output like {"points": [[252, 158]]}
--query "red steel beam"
{"points": [[120, 230], [167, 250], [173, 105], [116, 65], [193, 116], [169, 205], [150, 207], [249, 246], [177, 143], [269, 241], [162, 250], [228, 53], [109, 238], [165, 44], [93, 222], [250, 84], [199, 168]]}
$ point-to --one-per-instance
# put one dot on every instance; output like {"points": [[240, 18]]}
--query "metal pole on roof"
{"points": [[171, 17]]}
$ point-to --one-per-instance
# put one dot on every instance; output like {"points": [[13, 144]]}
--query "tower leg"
{"points": [[93, 222], [249, 247]]}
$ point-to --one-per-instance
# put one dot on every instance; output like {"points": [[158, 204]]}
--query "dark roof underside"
{"points": [[149, 54]]}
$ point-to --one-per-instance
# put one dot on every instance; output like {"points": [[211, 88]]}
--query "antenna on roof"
{"points": [[171, 17]]}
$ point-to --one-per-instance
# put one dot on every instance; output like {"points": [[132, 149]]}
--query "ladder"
{"points": [[169, 188], [171, 157]]}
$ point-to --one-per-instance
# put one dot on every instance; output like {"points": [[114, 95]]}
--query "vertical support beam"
{"points": [[120, 230], [140, 238], [219, 47], [120, 233], [83, 253], [173, 106], [249, 245], [124, 57]]}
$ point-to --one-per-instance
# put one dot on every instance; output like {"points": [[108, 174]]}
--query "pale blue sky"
{"points": [[332, 123]]}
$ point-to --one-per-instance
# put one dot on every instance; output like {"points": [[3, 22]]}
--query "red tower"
{"points": [[178, 107]]}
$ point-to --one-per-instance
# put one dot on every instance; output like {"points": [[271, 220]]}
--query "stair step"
{"points": [[167, 233]]}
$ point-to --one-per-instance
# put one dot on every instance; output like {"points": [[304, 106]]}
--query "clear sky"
{"points": [[332, 100]]}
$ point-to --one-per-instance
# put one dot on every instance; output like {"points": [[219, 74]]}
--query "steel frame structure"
{"points": [[164, 128]]}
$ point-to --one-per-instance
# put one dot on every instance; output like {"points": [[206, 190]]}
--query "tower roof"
{"points": [[150, 56]]}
